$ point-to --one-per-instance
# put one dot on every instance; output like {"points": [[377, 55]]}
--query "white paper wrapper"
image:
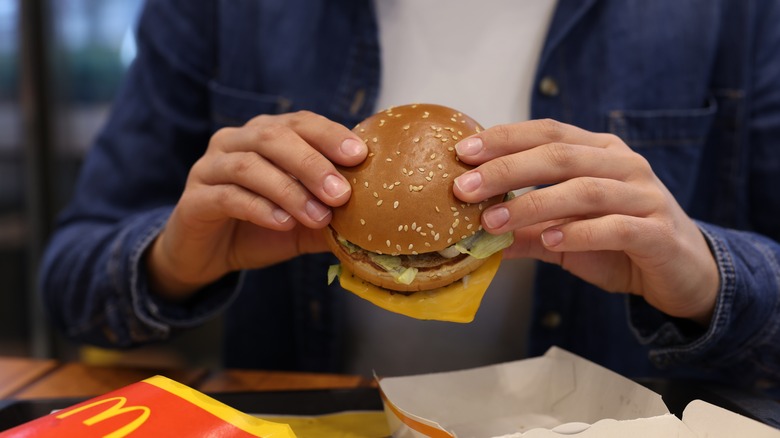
{"points": [[558, 394]]}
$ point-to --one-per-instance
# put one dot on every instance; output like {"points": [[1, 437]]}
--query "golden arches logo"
{"points": [[118, 408]]}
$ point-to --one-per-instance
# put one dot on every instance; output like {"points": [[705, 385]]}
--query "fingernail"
{"points": [[316, 211], [280, 215], [496, 217], [469, 146], [335, 186], [552, 237], [352, 148], [469, 181]]}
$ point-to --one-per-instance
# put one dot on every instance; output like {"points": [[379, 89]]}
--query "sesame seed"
{"points": [[451, 118], [453, 209], [375, 139], [414, 252], [404, 171], [463, 236], [384, 185], [423, 234], [388, 159], [390, 187], [433, 156], [452, 231], [354, 180], [362, 221], [428, 178], [365, 184], [369, 237], [456, 213], [378, 203], [406, 127], [376, 195], [416, 139], [406, 227], [414, 225], [421, 169], [395, 204], [387, 242], [400, 227], [450, 148], [469, 226], [440, 166], [425, 115], [437, 209], [466, 218], [456, 223], [398, 247], [411, 245], [437, 136], [419, 229], [429, 225], [382, 122], [427, 244], [449, 240], [436, 237], [398, 183], [444, 139]]}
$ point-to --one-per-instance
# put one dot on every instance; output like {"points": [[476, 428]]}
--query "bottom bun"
{"points": [[456, 302]]}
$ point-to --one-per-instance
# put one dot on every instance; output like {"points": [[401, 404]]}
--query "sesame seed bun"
{"points": [[402, 203]]}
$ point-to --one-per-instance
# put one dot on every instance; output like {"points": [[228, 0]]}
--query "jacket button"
{"points": [[551, 320], [548, 87]]}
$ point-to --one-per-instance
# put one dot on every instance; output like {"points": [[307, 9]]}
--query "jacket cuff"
{"points": [[744, 307], [160, 315]]}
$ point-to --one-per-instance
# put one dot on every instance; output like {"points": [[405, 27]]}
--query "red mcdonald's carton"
{"points": [[155, 407]]}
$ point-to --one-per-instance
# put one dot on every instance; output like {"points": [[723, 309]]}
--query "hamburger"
{"points": [[404, 241]]}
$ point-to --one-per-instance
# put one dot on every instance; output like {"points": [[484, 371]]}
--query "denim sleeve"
{"points": [[93, 279], [743, 338]]}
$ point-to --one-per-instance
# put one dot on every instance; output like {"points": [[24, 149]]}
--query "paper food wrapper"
{"points": [[155, 407], [558, 394]]}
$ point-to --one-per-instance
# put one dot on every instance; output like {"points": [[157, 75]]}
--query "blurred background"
{"points": [[61, 63]]}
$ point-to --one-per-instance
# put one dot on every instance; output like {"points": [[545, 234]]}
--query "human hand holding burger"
{"points": [[259, 195], [603, 215]]}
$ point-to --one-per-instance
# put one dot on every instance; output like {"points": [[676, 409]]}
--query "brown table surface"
{"points": [[27, 378]]}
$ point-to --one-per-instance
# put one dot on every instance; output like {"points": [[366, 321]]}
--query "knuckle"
{"points": [[311, 160], [551, 129], [499, 169], [592, 191], [242, 164], [287, 188], [503, 133], [560, 155], [303, 117], [624, 230], [269, 131], [535, 204]]}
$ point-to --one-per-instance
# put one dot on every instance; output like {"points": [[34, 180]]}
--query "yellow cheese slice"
{"points": [[457, 302]]}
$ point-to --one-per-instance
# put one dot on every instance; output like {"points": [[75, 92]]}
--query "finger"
{"points": [[282, 146], [579, 197], [606, 233], [501, 140], [264, 179], [332, 139], [239, 203], [547, 164]]}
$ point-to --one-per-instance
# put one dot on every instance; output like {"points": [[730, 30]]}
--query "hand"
{"points": [[256, 197], [605, 217]]}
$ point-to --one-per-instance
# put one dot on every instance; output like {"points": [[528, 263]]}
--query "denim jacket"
{"points": [[693, 85]]}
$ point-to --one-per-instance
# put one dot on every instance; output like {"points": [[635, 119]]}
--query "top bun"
{"points": [[402, 200]]}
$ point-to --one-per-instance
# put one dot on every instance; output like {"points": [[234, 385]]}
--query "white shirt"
{"points": [[478, 57]]}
